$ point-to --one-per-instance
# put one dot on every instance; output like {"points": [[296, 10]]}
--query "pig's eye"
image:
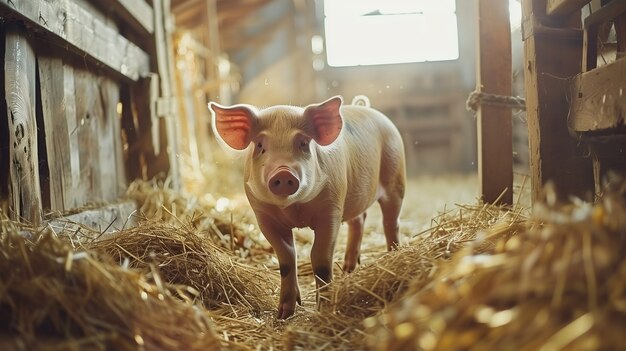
{"points": [[259, 148], [304, 145]]}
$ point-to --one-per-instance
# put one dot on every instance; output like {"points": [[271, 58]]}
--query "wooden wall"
{"points": [[81, 114]]}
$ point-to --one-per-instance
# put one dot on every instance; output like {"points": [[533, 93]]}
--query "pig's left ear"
{"points": [[325, 120], [234, 124]]}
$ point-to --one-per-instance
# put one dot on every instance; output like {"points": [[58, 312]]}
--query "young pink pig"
{"points": [[315, 167]]}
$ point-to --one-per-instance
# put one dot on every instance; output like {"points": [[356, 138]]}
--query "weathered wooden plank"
{"points": [[88, 111], [599, 98], [165, 63], [137, 12], [110, 91], [593, 25], [555, 155], [495, 138], [106, 138], [605, 13], [5, 158], [108, 219], [72, 27], [564, 7], [20, 74], [73, 196], [55, 126]]}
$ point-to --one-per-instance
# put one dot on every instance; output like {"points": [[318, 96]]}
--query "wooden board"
{"points": [[494, 76], [111, 142], [564, 7], [88, 111], [20, 74], [5, 158], [52, 90], [107, 219], [599, 99], [137, 12], [105, 134], [550, 59], [70, 26], [82, 135], [165, 61]]}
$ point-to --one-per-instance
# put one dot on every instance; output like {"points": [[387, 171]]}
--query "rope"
{"points": [[477, 99]]}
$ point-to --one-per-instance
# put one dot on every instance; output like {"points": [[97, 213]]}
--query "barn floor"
{"points": [[469, 276]]}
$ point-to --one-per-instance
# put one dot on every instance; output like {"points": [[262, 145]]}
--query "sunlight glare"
{"points": [[383, 32]]}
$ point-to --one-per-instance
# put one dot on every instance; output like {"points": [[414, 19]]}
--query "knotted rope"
{"points": [[477, 98]]}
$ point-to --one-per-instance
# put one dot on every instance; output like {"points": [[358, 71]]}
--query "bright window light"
{"points": [[515, 13], [372, 32]]}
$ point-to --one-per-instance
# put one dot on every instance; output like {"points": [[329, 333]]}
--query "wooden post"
{"points": [[20, 71], [552, 55], [494, 76], [165, 65]]}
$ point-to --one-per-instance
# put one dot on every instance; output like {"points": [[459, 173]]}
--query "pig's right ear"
{"points": [[234, 124], [325, 120]]}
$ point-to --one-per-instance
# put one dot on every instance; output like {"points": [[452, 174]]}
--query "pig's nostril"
{"points": [[290, 182]]}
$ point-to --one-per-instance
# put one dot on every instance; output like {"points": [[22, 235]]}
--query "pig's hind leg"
{"points": [[390, 205], [353, 248]]}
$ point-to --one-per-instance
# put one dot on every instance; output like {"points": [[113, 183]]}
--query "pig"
{"points": [[315, 167]]}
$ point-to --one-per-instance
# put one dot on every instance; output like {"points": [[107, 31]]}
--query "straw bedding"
{"points": [[53, 297], [482, 277]]}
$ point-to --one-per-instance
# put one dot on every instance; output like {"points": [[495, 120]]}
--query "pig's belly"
{"points": [[359, 200]]}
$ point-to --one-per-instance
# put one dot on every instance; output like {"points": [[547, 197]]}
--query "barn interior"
{"points": [[124, 224]]}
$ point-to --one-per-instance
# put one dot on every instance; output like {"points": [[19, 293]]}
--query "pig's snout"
{"points": [[283, 182]]}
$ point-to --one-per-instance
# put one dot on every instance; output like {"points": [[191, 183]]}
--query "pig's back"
{"points": [[375, 157]]}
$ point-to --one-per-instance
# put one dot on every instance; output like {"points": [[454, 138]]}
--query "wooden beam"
{"points": [[20, 70], [605, 13], [564, 7], [137, 12], [74, 28], [615, 10], [494, 76], [555, 155], [165, 62], [599, 99]]}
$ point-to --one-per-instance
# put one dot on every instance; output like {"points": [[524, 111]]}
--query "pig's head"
{"points": [[281, 145]]}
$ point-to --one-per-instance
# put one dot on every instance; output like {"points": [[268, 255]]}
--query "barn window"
{"points": [[370, 32]]}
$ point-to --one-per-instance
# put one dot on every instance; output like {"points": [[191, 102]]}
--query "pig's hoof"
{"points": [[349, 265], [286, 310]]}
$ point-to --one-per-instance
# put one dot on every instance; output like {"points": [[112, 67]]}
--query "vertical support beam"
{"points": [[162, 22], [553, 55], [495, 141], [20, 70]]}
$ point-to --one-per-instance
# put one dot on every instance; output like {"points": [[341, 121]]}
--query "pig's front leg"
{"points": [[281, 239], [322, 254]]}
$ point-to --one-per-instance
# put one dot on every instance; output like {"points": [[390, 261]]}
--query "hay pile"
{"points": [[53, 297], [229, 226], [372, 287], [192, 277], [559, 285], [185, 258]]}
